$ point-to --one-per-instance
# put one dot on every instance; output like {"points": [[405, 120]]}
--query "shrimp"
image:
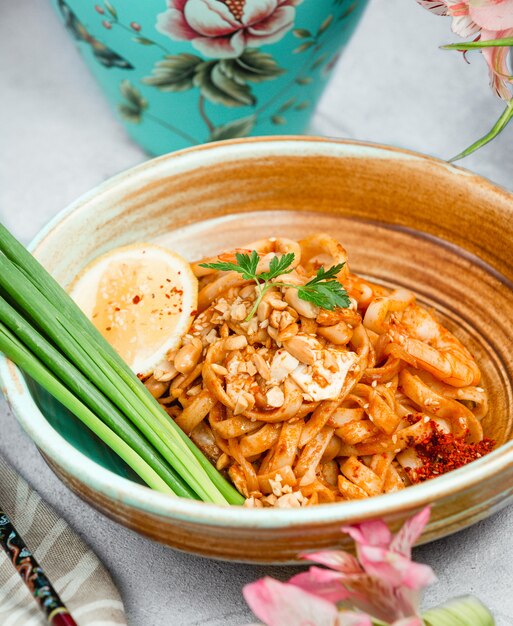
{"points": [[379, 309], [322, 249], [421, 341], [361, 290]]}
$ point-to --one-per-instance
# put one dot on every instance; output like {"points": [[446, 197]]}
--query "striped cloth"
{"points": [[79, 578]]}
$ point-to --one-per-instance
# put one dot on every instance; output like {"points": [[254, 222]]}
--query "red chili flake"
{"points": [[109, 328], [443, 452], [116, 308], [136, 299], [168, 280], [413, 418], [193, 313], [180, 310]]}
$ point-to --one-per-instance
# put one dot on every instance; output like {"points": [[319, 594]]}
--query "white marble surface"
{"points": [[58, 139]]}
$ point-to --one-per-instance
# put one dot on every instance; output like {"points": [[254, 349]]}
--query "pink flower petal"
{"points": [[210, 18], [173, 24], [462, 23], [394, 568], [464, 26], [349, 618], [372, 595], [492, 14], [257, 10], [438, 7], [380, 599], [501, 80], [335, 559], [323, 583], [281, 20], [177, 4], [221, 47], [410, 532], [280, 604], [375, 533]]}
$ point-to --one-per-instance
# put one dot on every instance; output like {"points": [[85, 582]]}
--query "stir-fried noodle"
{"points": [[302, 405]]}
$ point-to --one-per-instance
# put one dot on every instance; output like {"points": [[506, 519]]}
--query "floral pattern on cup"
{"points": [[224, 30], [201, 60]]}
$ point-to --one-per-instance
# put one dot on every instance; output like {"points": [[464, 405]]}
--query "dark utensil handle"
{"points": [[62, 619], [32, 574]]}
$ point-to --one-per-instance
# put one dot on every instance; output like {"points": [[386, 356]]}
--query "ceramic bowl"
{"points": [[405, 219]]}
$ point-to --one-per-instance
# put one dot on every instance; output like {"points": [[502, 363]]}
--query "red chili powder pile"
{"points": [[442, 453]]}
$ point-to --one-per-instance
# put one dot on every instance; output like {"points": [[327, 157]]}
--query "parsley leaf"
{"points": [[278, 266], [248, 264], [328, 274], [323, 289], [326, 295], [221, 267]]}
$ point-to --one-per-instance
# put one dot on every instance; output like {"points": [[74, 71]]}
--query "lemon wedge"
{"points": [[142, 298]]}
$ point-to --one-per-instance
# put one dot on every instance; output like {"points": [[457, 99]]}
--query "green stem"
{"points": [[18, 354], [290, 84], [134, 33], [286, 87], [498, 127], [476, 45], [173, 129], [261, 292], [204, 116]]}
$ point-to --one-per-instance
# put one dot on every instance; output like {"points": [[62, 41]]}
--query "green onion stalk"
{"points": [[55, 331], [18, 353], [90, 396]]}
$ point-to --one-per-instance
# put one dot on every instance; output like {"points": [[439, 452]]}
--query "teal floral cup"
{"points": [[192, 71]]}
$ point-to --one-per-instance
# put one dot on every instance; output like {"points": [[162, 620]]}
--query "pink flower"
{"points": [[491, 14], [283, 604], [225, 28], [382, 582], [497, 59], [471, 16], [488, 19]]}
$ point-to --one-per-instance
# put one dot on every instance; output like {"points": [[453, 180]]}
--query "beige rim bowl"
{"points": [[405, 219]]}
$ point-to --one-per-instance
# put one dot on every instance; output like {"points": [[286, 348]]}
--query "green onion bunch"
{"points": [[45, 333]]}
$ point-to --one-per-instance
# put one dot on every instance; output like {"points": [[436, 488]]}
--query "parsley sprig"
{"points": [[323, 289]]}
